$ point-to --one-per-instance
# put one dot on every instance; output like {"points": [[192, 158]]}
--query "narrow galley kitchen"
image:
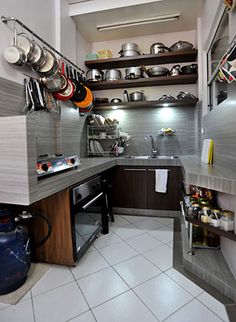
{"points": [[117, 168]]}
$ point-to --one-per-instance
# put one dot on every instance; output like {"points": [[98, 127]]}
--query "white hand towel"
{"points": [[161, 176]]}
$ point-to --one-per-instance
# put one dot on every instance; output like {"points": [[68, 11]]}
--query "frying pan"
{"points": [[80, 91], [87, 101], [67, 91]]}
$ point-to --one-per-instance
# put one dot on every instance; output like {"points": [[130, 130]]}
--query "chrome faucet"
{"points": [[154, 151]]}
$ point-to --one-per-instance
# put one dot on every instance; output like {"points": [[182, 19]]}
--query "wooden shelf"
{"points": [[152, 81], [218, 231], [145, 104], [150, 59]]}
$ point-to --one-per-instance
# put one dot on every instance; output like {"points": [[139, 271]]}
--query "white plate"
{"points": [[98, 147], [92, 146]]}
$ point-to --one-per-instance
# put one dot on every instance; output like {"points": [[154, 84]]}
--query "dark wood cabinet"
{"points": [[130, 187], [134, 187], [164, 201]]}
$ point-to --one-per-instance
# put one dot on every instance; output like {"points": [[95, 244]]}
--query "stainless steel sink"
{"points": [[145, 157]]}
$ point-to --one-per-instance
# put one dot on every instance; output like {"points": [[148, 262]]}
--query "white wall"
{"points": [[37, 15]]}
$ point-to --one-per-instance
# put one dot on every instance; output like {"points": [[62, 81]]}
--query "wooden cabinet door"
{"points": [[130, 187], [164, 201]]}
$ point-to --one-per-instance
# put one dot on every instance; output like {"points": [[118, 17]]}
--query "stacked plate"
{"points": [[96, 148]]}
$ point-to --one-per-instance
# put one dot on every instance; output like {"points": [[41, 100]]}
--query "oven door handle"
{"points": [[91, 201]]}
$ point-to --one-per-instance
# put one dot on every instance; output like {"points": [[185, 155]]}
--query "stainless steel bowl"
{"points": [[128, 53], [158, 71], [129, 46], [181, 45]]}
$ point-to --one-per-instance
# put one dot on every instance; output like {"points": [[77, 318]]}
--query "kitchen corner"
{"points": [[117, 168]]}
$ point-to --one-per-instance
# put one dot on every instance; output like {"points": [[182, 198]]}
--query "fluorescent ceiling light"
{"points": [[130, 23]]}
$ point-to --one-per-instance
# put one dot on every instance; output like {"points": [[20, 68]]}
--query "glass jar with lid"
{"points": [[227, 220], [215, 217], [194, 210], [205, 214]]}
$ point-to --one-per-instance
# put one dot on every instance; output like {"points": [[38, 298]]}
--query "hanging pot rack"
{"points": [[5, 20]]}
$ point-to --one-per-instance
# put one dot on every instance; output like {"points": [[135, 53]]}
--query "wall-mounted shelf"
{"points": [[164, 58], [145, 104], [215, 230], [152, 81]]}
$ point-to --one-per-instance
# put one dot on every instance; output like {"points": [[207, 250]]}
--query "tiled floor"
{"points": [[127, 276]]}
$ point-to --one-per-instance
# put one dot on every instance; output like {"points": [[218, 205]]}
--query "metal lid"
{"points": [[227, 213], [206, 208]]}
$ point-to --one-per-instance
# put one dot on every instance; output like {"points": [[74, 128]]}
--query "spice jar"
{"points": [[194, 210], [205, 214], [227, 220]]}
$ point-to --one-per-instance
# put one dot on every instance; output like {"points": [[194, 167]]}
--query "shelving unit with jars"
{"points": [[101, 139]]}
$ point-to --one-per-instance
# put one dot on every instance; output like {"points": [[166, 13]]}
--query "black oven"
{"points": [[89, 214]]}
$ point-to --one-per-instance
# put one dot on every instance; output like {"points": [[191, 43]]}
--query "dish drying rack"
{"points": [[101, 139]]}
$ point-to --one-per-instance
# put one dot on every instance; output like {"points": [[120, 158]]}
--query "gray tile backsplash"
{"points": [[65, 133], [141, 122]]}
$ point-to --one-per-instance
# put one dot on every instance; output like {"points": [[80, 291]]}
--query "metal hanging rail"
{"points": [[7, 19]]}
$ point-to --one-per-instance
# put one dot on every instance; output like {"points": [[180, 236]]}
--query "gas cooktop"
{"points": [[51, 164]]}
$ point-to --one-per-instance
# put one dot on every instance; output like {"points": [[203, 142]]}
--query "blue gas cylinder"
{"points": [[14, 255]]}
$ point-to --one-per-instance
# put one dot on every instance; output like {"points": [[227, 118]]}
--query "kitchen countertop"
{"points": [[90, 167], [214, 177], [195, 172]]}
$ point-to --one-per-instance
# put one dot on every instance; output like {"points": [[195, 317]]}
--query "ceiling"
{"points": [[87, 23]]}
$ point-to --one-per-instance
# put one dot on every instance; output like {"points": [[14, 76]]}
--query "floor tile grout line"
{"points": [[180, 308], [182, 286], [33, 308], [52, 289], [83, 296], [146, 306], [110, 299], [211, 309]]}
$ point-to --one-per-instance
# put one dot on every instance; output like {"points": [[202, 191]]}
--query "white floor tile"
{"points": [[85, 317], [162, 295], [124, 308], [214, 305], [136, 270], [3, 306], [183, 281], [170, 244], [128, 231], [143, 243], [119, 222], [132, 219], [102, 286], [23, 311], [117, 253], [164, 234], [55, 276], [106, 240], [161, 256], [193, 312], [148, 224], [60, 304], [88, 264], [165, 221]]}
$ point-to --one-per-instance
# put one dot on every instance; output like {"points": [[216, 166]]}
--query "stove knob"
{"points": [[72, 161], [44, 167]]}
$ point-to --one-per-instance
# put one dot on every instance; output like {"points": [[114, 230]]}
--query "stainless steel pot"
{"points": [[137, 96], [133, 72], [130, 46], [181, 45], [54, 83], [128, 53], [50, 66], [158, 71], [94, 75], [189, 69], [175, 70], [167, 98], [158, 48], [113, 74]]}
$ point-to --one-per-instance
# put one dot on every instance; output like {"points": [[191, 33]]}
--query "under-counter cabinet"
{"points": [[134, 187], [164, 201], [130, 187]]}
